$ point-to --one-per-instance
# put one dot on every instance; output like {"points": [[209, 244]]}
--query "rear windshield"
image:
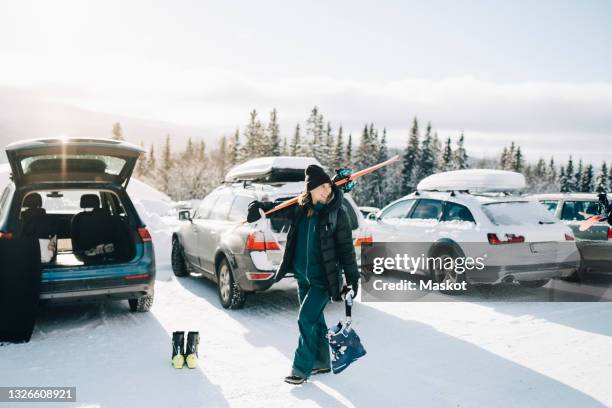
{"points": [[518, 213], [551, 205], [54, 163]]}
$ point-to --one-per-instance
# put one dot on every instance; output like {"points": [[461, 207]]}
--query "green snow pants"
{"points": [[313, 347]]}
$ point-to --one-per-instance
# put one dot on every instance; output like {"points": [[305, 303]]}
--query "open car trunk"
{"points": [[78, 227], [72, 160]]}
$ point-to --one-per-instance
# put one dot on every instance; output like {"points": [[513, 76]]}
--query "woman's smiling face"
{"points": [[321, 193]]}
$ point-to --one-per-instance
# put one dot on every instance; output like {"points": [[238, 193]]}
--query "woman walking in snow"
{"points": [[319, 247]]}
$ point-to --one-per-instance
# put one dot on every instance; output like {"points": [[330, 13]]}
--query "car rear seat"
{"points": [[34, 222], [93, 232]]}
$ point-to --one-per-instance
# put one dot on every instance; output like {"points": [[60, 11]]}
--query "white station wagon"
{"points": [[470, 212]]}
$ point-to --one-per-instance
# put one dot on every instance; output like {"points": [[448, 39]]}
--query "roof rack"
{"points": [[452, 192]]}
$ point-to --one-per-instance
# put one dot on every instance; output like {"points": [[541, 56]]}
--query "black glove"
{"points": [[253, 214], [254, 207], [347, 288]]}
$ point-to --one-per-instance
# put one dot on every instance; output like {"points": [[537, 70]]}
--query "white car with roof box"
{"points": [[460, 212]]}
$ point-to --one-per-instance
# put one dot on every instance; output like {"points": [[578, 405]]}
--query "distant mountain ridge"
{"points": [[25, 117]]}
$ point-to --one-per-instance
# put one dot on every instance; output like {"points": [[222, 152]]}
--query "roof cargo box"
{"points": [[474, 180], [271, 169]]}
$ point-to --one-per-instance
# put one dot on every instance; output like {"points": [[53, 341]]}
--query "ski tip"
{"points": [[589, 223]]}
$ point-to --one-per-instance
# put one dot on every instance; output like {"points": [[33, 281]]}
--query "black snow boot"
{"points": [[295, 379], [191, 354], [178, 349]]}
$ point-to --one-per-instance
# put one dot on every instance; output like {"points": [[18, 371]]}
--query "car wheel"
{"points": [[534, 283], [230, 294], [142, 304], [440, 274], [178, 261]]}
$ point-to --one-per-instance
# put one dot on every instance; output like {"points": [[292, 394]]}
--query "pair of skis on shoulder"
{"points": [[348, 180]]}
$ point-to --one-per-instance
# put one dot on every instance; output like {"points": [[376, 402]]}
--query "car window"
{"points": [[551, 205], [572, 209], [518, 213], [351, 214], [427, 209], [222, 206], [207, 204], [457, 212], [239, 209], [397, 210]]}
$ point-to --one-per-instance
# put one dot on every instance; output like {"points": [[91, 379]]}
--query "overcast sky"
{"points": [[538, 72]]}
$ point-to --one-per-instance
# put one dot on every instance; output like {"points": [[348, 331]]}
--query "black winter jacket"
{"points": [[337, 252]]}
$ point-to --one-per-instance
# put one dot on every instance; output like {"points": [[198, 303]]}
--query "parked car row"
{"points": [[454, 212], [70, 194]]}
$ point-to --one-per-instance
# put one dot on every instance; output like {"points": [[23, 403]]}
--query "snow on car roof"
{"points": [[261, 166], [473, 180], [465, 198], [268, 191], [567, 196]]}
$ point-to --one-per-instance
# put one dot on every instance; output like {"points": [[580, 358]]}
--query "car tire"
{"points": [[534, 284], [230, 294], [443, 275], [141, 304], [178, 261]]}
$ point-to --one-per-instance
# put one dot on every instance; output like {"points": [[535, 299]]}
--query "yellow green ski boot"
{"points": [[178, 349], [193, 340]]}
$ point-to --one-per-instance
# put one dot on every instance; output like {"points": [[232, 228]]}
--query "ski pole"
{"points": [[348, 304]]}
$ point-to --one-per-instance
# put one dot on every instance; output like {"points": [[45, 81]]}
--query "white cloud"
{"points": [[545, 117]]}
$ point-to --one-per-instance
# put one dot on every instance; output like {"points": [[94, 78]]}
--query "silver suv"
{"points": [[594, 244], [243, 258]]}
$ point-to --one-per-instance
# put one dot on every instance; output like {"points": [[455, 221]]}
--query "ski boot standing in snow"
{"points": [[191, 351], [319, 248], [178, 349]]}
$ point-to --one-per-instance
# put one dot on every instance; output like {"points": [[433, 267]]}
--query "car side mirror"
{"points": [[184, 215], [372, 216]]}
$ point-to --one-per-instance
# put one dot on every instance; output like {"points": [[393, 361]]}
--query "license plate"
{"points": [[543, 248]]}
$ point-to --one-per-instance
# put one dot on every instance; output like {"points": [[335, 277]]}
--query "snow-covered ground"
{"points": [[468, 354]]}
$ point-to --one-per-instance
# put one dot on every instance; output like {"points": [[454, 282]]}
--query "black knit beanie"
{"points": [[315, 176]]}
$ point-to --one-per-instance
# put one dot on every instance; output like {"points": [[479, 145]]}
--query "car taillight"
{"points": [[256, 242], [609, 232], [364, 240], [510, 239], [144, 234], [570, 237], [259, 275], [6, 235]]}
